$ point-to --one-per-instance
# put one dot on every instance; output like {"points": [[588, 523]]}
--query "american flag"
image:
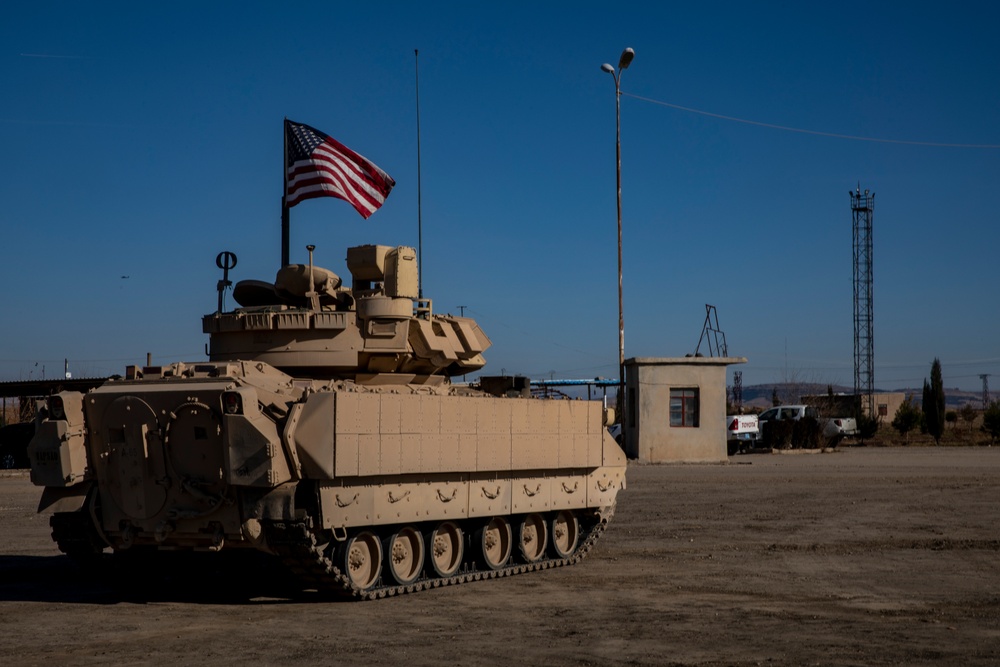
{"points": [[319, 166]]}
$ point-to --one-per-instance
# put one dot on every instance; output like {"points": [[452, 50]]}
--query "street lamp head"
{"points": [[607, 68], [626, 58]]}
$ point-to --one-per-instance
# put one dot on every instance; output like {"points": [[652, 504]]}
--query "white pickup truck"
{"points": [[741, 432], [834, 428]]}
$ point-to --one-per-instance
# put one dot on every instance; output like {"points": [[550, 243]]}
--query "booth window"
{"points": [[684, 407]]}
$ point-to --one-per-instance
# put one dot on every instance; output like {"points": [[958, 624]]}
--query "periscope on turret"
{"points": [[324, 429]]}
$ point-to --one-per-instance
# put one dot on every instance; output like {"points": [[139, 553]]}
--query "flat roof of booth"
{"points": [[685, 361]]}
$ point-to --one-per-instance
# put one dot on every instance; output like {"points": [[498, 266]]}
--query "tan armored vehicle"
{"points": [[324, 429]]}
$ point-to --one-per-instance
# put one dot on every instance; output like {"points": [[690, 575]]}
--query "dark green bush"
{"points": [[806, 433], [778, 434], [867, 427]]}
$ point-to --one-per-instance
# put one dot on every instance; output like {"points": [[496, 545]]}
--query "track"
{"points": [[295, 544]]}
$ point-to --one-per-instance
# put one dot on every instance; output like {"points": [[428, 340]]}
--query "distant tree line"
{"points": [[931, 417]]}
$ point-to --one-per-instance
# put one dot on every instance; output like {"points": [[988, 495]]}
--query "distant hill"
{"points": [[760, 395]]}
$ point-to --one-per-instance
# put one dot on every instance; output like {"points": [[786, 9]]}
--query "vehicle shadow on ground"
{"points": [[192, 578]]}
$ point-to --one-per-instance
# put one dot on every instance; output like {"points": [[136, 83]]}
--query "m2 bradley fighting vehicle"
{"points": [[324, 430]]}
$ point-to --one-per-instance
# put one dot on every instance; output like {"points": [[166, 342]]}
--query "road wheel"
{"points": [[565, 531], [445, 548], [361, 559], [404, 555], [493, 541], [532, 538]]}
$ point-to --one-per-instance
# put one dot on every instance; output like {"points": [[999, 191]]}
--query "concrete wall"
{"points": [[649, 436], [888, 403]]}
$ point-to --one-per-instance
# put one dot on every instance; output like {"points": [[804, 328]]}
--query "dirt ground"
{"points": [[864, 556]]}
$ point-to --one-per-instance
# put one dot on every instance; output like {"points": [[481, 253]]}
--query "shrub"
{"points": [[806, 433], [968, 414], [991, 421], [907, 418], [867, 426], [778, 434]]}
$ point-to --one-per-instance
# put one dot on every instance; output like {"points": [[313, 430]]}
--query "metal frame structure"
{"points": [[711, 332], [862, 208]]}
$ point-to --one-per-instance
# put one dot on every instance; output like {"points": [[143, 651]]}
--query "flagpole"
{"points": [[420, 222], [284, 192]]}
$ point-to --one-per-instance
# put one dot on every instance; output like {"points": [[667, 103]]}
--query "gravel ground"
{"points": [[864, 556]]}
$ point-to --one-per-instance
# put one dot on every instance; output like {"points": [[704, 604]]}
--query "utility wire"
{"points": [[813, 132]]}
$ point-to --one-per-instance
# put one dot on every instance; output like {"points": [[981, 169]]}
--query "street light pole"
{"points": [[623, 62]]}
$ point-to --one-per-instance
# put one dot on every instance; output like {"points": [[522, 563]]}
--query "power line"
{"points": [[818, 133], [72, 360]]}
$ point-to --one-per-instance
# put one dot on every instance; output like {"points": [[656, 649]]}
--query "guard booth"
{"points": [[676, 408]]}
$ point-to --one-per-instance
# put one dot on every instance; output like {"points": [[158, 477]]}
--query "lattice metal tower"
{"points": [[862, 208], [986, 390]]}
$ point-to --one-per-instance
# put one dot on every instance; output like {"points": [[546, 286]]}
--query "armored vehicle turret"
{"points": [[324, 429]]}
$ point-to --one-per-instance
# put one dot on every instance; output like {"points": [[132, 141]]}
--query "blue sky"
{"points": [[142, 139]]}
